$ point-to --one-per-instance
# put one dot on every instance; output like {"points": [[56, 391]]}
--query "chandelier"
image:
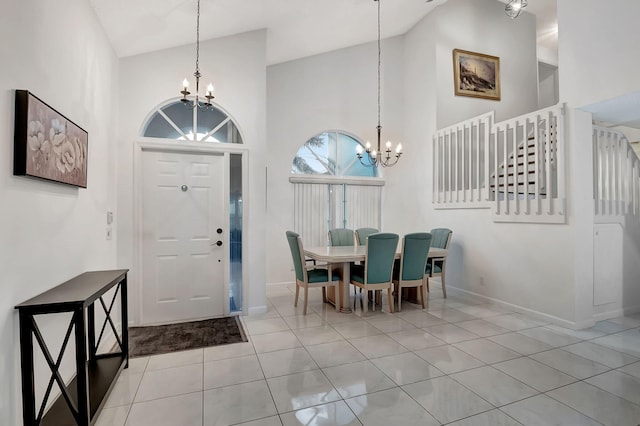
{"points": [[196, 100], [514, 8], [379, 157]]}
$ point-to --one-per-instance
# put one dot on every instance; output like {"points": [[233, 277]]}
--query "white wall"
{"points": [[482, 26], [52, 232], [597, 45], [631, 267], [527, 265], [548, 85], [430, 103], [236, 66], [331, 91], [580, 212]]}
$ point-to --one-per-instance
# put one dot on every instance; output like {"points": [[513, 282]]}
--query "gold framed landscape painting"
{"points": [[476, 75]]}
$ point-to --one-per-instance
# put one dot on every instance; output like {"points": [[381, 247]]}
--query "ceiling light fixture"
{"points": [[378, 157], [195, 101], [514, 8]]}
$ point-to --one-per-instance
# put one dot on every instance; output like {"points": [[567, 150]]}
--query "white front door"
{"points": [[183, 267]]}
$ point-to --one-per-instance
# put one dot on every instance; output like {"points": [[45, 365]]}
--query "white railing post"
{"points": [[560, 147], [436, 169], [596, 172], [496, 171], [505, 161], [538, 167], [486, 194], [525, 164], [547, 163]]}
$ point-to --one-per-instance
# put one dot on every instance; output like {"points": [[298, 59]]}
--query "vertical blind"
{"points": [[320, 206]]}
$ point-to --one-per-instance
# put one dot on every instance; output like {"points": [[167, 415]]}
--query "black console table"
{"points": [[82, 399]]}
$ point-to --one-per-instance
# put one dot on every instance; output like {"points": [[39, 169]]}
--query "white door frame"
{"points": [[211, 148]]}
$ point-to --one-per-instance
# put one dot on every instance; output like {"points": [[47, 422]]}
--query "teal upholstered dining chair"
{"points": [[341, 237], [436, 266], [377, 271], [363, 233], [413, 262], [309, 276], [361, 238]]}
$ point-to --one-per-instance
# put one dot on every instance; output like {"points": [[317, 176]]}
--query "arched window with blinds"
{"points": [[332, 189]]}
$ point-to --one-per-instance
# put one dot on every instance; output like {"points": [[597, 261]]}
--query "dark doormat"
{"points": [[162, 339]]}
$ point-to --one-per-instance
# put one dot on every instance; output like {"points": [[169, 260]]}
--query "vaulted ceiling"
{"points": [[295, 28]]}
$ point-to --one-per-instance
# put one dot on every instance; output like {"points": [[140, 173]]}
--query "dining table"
{"points": [[345, 255]]}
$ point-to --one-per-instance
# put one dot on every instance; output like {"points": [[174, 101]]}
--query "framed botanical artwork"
{"points": [[476, 75], [47, 145]]}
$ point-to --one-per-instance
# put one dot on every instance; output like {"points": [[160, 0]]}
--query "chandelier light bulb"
{"points": [[388, 144], [373, 153], [210, 89], [185, 84], [368, 146], [359, 149], [399, 149]]}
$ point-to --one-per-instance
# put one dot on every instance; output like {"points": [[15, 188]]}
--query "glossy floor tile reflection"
{"points": [[460, 362]]}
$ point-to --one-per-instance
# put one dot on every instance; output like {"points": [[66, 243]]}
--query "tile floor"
{"points": [[459, 362]]}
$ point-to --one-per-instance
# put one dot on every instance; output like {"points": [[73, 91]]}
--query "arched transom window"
{"points": [[176, 121]]}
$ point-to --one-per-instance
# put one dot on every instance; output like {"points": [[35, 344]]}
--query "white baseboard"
{"points": [[257, 310], [573, 325], [602, 316], [615, 313], [281, 283], [630, 310]]}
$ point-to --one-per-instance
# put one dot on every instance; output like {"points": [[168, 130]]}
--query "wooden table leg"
{"points": [[344, 290]]}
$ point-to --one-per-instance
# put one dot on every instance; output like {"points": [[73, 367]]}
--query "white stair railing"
{"points": [[516, 166], [528, 178], [462, 163], [616, 177]]}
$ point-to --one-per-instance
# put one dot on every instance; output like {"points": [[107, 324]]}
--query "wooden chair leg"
{"points": [[324, 295], [295, 302], [444, 289], [355, 296], [389, 298], [365, 305], [399, 296], [306, 299], [422, 296]]}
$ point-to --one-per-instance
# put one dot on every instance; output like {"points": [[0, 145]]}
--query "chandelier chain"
{"points": [[195, 102], [197, 73], [378, 156], [379, 61]]}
